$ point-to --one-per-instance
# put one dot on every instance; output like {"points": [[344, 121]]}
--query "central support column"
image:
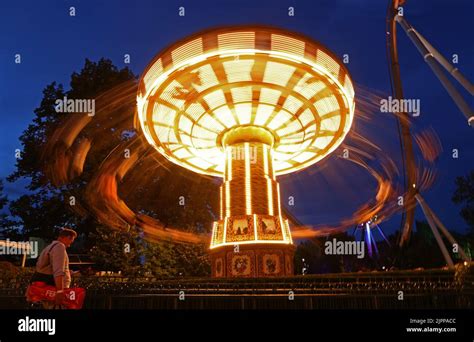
{"points": [[251, 239]]}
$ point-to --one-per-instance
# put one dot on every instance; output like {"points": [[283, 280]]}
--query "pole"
{"points": [[432, 225], [432, 62], [447, 233], [404, 124], [453, 71]]}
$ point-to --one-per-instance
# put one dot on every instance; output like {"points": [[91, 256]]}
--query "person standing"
{"points": [[52, 266]]}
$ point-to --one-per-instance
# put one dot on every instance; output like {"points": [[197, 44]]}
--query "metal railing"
{"points": [[424, 289]]}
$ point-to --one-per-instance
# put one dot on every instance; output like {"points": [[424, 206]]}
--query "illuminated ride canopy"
{"points": [[247, 104]]}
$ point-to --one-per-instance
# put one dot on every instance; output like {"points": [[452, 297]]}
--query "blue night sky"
{"points": [[53, 45]]}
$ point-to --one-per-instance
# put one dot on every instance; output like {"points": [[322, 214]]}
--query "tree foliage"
{"points": [[128, 253], [7, 225], [46, 208], [464, 194]]}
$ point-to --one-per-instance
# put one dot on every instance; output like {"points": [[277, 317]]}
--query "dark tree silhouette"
{"points": [[8, 227], [46, 207], [464, 194]]}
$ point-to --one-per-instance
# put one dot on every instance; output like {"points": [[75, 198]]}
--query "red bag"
{"points": [[38, 291]]}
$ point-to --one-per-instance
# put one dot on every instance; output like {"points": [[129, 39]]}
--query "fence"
{"points": [[424, 289]]}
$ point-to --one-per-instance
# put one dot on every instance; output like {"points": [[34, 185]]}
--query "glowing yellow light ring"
{"points": [[252, 242], [319, 69]]}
